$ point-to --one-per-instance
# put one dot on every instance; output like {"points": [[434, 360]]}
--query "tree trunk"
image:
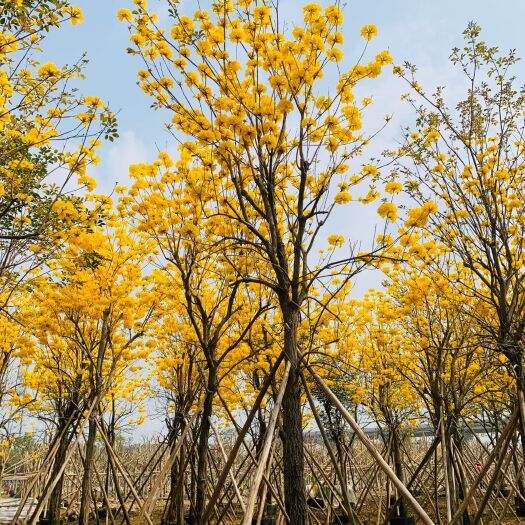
{"points": [[175, 510], [111, 438], [55, 499], [259, 440], [341, 458], [85, 497], [193, 478], [520, 399], [517, 464], [118, 490], [292, 435], [203, 446], [456, 454], [398, 468]]}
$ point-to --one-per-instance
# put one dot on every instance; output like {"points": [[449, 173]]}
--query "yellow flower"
{"points": [[384, 58], [393, 187], [397, 70], [369, 31], [334, 54], [88, 182], [388, 210], [336, 240], [22, 220], [94, 102], [342, 197], [124, 14], [432, 136], [311, 12], [76, 16], [430, 207], [285, 105], [48, 70], [65, 210], [419, 216], [371, 196], [334, 15], [369, 169], [165, 159], [262, 14], [186, 23]]}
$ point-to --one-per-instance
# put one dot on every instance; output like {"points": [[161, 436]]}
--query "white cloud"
{"points": [[129, 149]]}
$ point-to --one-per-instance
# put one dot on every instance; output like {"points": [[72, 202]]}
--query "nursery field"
{"points": [[259, 268]]}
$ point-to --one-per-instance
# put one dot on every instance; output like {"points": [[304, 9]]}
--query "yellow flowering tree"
{"points": [[168, 203], [469, 160], [446, 365], [381, 384], [89, 318], [48, 136], [15, 342], [247, 101], [179, 386]]}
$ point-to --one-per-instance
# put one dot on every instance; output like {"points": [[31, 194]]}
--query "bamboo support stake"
{"points": [[274, 490], [322, 478], [142, 479], [428, 455], [368, 482], [240, 472], [338, 471], [122, 501], [490, 487], [505, 474], [109, 515], [503, 442], [232, 476], [42, 501], [154, 490], [250, 505], [371, 448], [469, 477], [49, 457], [444, 459], [123, 472], [240, 439], [228, 509], [260, 513]]}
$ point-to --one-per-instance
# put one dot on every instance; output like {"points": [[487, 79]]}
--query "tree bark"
{"points": [[175, 511], [398, 468], [292, 435], [203, 446], [85, 497], [55, 499], [520, 394]]}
